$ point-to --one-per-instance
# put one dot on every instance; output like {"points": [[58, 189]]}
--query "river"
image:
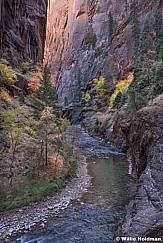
{"points": [[94, 217]]}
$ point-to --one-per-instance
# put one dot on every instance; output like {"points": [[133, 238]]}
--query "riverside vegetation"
{"points": [[139, 86], [109, 78], [36, 159]]}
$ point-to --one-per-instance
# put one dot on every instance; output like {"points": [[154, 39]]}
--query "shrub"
{"points": [[121, 88], [7, 74]]}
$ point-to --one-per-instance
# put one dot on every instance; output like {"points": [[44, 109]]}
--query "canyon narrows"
{"points": [[86, 39], [97, 63]]}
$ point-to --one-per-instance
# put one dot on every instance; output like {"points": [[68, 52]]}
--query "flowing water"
{"points": [[94, 217]]}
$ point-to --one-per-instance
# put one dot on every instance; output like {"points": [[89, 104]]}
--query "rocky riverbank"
{"points": [[37, 214], [145, 212], [142, 137]]}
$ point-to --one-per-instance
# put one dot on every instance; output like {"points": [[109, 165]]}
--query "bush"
{"points": [[7, 74], [120, 100]]}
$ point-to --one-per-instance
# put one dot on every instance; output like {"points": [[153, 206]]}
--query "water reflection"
{"points": [[94, 218]]}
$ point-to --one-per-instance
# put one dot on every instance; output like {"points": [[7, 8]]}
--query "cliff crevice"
{"points": [[22, 30], [97, 40], [145, 212]]}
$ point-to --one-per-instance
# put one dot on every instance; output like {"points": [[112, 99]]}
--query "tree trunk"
{"points": [[46, 152]]}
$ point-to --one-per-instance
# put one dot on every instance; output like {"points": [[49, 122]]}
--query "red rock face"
{"points": [[22, 30], [145, 212], [79, 47]]}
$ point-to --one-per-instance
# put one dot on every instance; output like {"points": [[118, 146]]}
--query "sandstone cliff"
{"points": [[145, 212], [86, 39], [22, 30], [80, 46]]}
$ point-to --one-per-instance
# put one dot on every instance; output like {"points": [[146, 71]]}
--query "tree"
{"points": [[126, 7], [146, 38], [34, 83], [146, 84], [45, 95], [47, 130], [100, 86], [135, 24], [7, 74], [119, 95], [14, 125], [50, 135], [76, 87], [158, 26], [94, 40], [160, 53], [112, 25]]}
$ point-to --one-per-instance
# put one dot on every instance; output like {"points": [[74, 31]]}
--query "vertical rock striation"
{"points": [[145, 212], [89, 38], [22, 30]]}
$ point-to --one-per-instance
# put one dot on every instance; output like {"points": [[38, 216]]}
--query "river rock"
{"points": [[50, 208]]}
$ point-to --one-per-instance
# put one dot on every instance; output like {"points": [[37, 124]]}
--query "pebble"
{"points": [[11, 230], [50, 208], [42, 225], [23, 220], [20, 210]]}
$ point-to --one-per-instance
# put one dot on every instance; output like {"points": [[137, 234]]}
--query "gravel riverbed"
{"points": [[37, 214]]}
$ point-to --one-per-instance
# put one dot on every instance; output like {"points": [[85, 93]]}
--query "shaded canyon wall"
{"points": [[22, 30], [89, 38]]}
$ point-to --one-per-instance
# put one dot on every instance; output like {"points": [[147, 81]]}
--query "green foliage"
{"points": [[160, 53], [14, 121], [33, 143], [65, 101], [94, 40], [159, 73], [120, 100], [112, 25], [146, 36], [158, 86], [7, 74], [148, 73], [76, 87], [135, 24], [148, 78], [74, 159], [136, 100], [97, 125], [45, 95], [46, 131], [158, 27], [126, 7], [14, 125], [24, 194]]}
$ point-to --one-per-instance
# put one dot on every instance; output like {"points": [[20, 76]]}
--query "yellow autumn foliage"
{"points": [[87, 97], [7, 74], [121, 87], [99, 85]]}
